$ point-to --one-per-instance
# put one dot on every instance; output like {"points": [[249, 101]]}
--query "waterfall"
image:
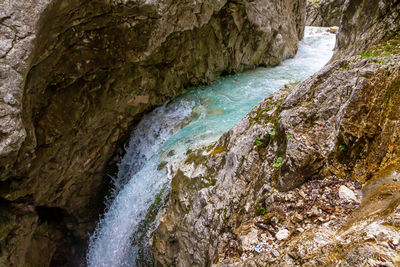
{"points": [[135, 185], [148, 136], [198, 117]]}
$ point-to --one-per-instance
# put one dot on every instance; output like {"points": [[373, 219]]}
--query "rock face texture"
{"points": [[365, 24], [75, 75], [344, 122], [285, 166], [324, 13]]}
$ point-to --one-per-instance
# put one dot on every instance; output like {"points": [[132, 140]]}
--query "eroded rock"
{"points": [[365, 23], [324, 13]]}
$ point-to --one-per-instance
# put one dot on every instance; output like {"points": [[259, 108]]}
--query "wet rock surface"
{"points": [[74, 78], [324, 13]]}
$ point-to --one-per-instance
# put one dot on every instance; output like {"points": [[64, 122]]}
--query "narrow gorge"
{"points": [[128, 139]]}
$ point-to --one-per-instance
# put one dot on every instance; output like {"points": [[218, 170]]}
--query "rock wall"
{"points": [[279, 187], [77, 74], [365, 24], [324, 13]]}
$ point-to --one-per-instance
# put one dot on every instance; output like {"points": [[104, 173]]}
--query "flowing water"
{"points": [[198, 117]]}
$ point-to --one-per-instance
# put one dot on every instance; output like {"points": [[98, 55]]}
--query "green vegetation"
{"points": [[278, 162], [153, 210], [370, 53], [259, 142], [162, 165], [272, 132], [260, 210], [294, 83], [388, 48], [261, 114], [289, 135], [342, 147], [151, 214], [218, 150], [345, 65], [195, 157]]}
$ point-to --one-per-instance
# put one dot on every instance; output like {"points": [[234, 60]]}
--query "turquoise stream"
{"points": [[196, 118]]}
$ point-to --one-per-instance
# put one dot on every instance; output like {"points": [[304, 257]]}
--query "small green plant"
{"points": [[294, 83], [387, 48], [346, 65], [278, 105], [155, 206], [261, 211], [278, 162], [218, 150], [162, 165], [259, 142], [289, 135], [342, 147], [373, 53], [272, 132]]}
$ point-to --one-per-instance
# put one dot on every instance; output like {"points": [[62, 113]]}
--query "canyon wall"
{"points": [[310, 176], [77, 74], [324, 13], [365, 24]]}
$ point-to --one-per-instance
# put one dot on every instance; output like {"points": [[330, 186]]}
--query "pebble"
{"points": [[297, 218], [275, 252], [282, 234], [269, 200], [274, 220], [289, 197], [397, 211], [333, 30], [262, 247], [347, 194]]}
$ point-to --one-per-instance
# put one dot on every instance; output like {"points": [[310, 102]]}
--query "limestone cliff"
{"points": [[324, 13], [75, 75], [365, 24], [283, 186]]}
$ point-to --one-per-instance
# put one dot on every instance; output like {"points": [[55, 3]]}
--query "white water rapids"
{"points": [[198, 117]]}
